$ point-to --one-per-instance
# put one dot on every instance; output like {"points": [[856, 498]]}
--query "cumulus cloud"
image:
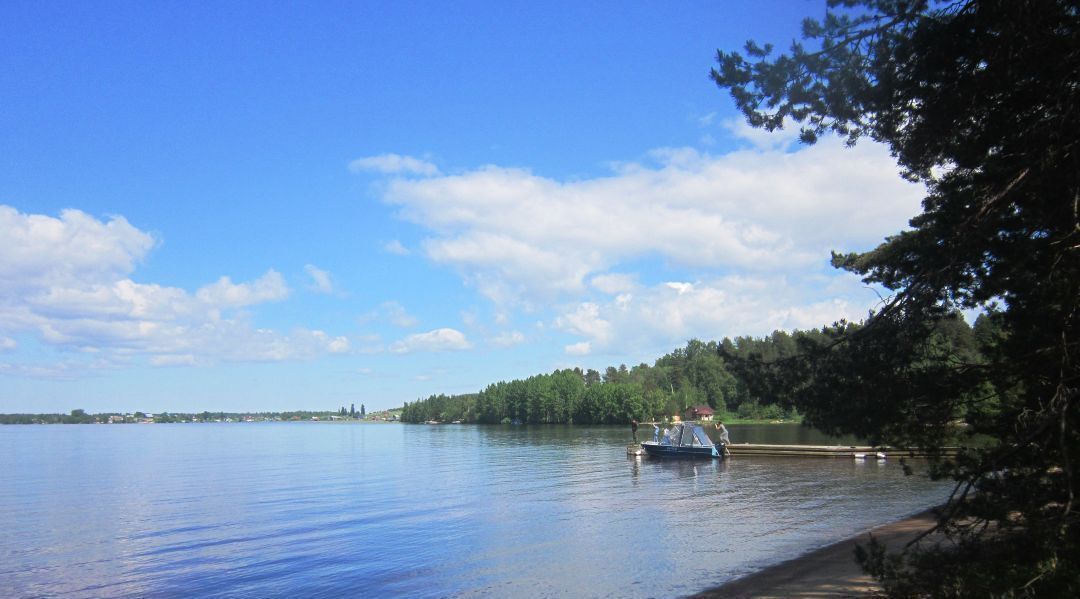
{"points": [[667, 314], [39, 251], [67, 281], [586, 321], [519, 237], [439, 340], [320, 279], [226, 294], [395, 164]]}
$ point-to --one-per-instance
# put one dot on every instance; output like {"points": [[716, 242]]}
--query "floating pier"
{"points": [[828, 451]]}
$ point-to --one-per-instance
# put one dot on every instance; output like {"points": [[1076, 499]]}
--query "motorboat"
{"points": [[684, 440]]}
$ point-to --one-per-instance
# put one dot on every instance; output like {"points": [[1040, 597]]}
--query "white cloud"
{"points": [[586, 321], [680, 288], [64, 370], [395, 247], [470, 318], [520, 238], [667, 314], [174, 360], [395, 164], [315, 342], [67, 281], [399, 316], [508, 339], [392, 312], [320, 279], [226, 294], [762, 139], [39, 251], [7, 344], [433, 341], [582, 348], [367, 344], [613, 283]]}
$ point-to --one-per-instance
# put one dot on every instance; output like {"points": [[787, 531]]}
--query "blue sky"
{"points": [[269, 206]]}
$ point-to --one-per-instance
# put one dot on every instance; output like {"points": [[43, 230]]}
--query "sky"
{"points": [[272, 205]]}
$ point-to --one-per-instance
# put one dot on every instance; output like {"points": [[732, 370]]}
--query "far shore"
{"points": [[830, 571]]}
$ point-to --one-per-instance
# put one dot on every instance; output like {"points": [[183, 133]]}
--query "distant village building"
{"points": [[699, 413]]}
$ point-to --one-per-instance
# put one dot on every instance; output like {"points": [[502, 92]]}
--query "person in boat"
{"points": [[655, 433], [633, 429]]}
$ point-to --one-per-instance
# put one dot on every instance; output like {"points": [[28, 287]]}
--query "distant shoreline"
{"points": [[17, 419], [829, 571]]}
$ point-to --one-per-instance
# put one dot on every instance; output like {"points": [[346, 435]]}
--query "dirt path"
{"points": [[827, 572]]}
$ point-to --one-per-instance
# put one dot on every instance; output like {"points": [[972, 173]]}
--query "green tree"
{"points": [[592, 377], [977, 100], [78, 417]]}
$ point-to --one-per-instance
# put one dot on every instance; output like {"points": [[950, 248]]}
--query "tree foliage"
{"points": [[980, 102], [694, 375]]}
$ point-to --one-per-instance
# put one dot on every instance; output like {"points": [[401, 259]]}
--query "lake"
{"points": [[333, 509]]}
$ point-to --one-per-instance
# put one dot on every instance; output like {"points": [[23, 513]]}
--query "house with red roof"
{"points": [[699, 413]]}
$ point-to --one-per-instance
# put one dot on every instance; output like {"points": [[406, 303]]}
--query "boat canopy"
{"points": [[687, 434]]}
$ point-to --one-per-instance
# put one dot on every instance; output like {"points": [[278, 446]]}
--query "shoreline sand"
{"points": [[830, 571]]}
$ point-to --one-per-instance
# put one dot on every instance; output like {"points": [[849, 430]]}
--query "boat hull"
{"points": [[673, 451]]}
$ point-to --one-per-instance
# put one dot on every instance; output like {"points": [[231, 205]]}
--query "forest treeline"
{"points": [[699, 374]]}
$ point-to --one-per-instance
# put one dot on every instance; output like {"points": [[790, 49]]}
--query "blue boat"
{"points": [[684, 440]]}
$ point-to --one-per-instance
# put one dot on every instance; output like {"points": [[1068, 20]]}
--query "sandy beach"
{"points": [[826, 572]]}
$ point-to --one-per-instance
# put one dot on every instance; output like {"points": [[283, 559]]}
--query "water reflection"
{"points": [[686, 468], [328, 509]]}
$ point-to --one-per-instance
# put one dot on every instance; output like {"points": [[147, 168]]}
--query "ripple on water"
{"points": [[236, 510]]}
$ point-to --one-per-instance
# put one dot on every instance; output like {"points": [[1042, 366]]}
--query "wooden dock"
{"points": [[827, 451]]}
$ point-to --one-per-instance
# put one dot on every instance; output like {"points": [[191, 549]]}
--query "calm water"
{"points": [[321, 509]]}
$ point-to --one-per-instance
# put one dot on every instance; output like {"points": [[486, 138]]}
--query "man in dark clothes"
{"points": [[633, 429]]}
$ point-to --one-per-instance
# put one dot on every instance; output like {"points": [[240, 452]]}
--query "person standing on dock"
{"points": [[725, 439], [633, 429]]}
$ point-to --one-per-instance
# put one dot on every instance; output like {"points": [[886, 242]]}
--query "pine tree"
{"points": [[977, 100]]}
